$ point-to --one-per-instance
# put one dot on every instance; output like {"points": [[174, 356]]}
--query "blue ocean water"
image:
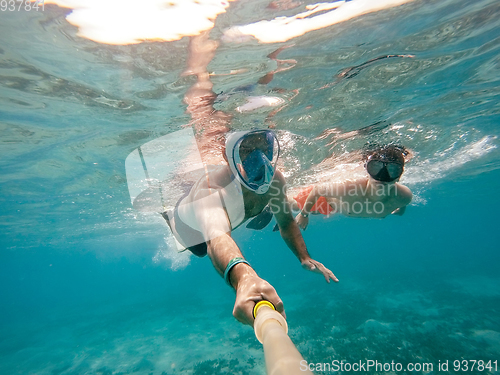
{"points": [[91, 286]]}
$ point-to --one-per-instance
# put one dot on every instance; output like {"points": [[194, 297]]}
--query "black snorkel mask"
{"points": [[384, 170]]}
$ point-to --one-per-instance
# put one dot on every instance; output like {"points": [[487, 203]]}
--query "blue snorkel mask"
{"points": [[252, 157]]}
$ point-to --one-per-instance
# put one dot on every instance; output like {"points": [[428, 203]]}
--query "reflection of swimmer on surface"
{"points": [[377, 194], [276, 98], [239, 182], [353, 71], [210, 124]]}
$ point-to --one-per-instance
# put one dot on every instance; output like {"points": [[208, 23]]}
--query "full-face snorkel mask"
{"points": [[252, 156]]}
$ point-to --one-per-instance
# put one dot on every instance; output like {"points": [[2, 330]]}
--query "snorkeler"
{"points": [[226, 197], [239, 181], [377, 195]]}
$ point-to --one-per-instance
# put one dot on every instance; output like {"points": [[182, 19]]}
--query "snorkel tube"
{"points": [[282, 357]]}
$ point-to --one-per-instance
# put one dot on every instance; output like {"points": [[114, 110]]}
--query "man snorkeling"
{"points": [[377, 195], [239, 180], [224, 198]]}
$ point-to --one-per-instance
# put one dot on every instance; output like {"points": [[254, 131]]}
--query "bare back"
{"points": [[365, 197]]}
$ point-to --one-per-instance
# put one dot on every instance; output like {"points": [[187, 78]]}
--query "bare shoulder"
{"points": [[278, 201], [278, 186], [216, 177], [404, 193], [277, 193], [220, 176], [278, 177]]}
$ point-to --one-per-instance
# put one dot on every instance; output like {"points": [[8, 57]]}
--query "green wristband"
{"points": [[233, 262]]}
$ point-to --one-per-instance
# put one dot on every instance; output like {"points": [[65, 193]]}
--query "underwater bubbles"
{"points": [[167, 253]]}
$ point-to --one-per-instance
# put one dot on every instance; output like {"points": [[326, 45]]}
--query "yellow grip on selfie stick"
{"points": [[259, 304], [271, 329]]}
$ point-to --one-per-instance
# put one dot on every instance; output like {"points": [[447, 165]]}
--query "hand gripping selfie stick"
{"points": [[282, 357]]}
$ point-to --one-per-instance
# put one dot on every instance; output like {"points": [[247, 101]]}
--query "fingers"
{"points": [[281, 311], [243, 313], [328, 274], [249, 294], [333, 277], [301, 221], [315, 266], [309, 265], [270, 294], [280, 307], [278, 304]]}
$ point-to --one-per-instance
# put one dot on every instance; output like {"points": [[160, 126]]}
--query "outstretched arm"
{"points": [[302, 218], [290, 231], [249, 287], [227, 258], [210, 124]]}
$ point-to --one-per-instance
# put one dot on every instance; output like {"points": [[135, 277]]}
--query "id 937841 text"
{"points": [[22, 5]]}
